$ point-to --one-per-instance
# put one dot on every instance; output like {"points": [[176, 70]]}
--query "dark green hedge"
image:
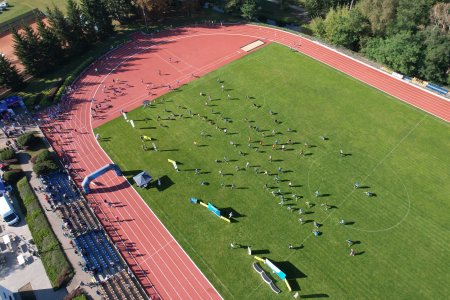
{"points": [[12, 176], [57, 267], [27, 140], [7, 154], [72, 76]]}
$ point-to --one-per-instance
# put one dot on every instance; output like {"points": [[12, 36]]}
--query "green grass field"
{"points": [[399, 152], [18, 7]]}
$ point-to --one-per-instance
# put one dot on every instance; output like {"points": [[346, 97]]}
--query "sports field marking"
{"points": [[90, 120], [252, 46], [399, 222], [100, 154], [198, 255], [374, 168], [157, 251], [347, 197], [126, 57]]}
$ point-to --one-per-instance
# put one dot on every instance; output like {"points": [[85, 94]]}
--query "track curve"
{"points": [[143, 70]]}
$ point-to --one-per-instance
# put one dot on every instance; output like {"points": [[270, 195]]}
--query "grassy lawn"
{"points": [[394, 150], [19, 7]]}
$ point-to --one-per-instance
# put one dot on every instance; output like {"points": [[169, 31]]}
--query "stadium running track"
{"points": [[180, 55]]}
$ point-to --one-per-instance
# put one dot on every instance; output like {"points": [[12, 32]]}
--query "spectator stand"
{"points": [[88, 212], [98, 253], [77, 218], [121, 286], [120, 245], [59, 188]]}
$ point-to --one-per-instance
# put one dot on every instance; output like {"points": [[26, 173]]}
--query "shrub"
{"points": [[77, 294], [44, 163], [27, 139], [7, 154], [34, 100], [42, 156], [71, 77], [45, 167], [12, 176]]}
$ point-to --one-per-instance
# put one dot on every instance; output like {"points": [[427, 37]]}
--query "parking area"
{"points": [[21, 270]]}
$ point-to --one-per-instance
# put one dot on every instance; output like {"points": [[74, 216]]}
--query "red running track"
{"points": [[141, 70]]}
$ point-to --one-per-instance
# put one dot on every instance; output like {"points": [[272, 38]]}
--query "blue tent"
{"points": [[11, 100], [142, 179], [2, 187], [3, 107]]}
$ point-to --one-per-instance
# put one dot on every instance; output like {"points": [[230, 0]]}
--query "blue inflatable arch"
{"points": [[98, 173]]}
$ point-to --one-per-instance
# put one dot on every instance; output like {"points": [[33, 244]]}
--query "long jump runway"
{"points": [[142, 70]]}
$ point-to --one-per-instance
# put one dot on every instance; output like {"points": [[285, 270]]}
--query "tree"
{"points": [[437, 57], [26, 44], [60, 26], [27, 140], [119, 10], [77, 36], [342, 27], [317, 26], [12, 176], [42, 156], [380, 13], [233, 5], [7, 154], [402, 52], [319, 8], [155, 8], [97, 20], [190, 6], [50, 50], [38, 52], [45, 167], [440, 16], [412, 15], [9, 75], [249, 9]]}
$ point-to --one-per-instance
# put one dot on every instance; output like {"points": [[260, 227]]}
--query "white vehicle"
{"points": [[7, 212]]}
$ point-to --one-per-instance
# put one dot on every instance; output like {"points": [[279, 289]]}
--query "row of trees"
{"points": [[9, 75], [41, 50], [411, 37], [86, 22]]}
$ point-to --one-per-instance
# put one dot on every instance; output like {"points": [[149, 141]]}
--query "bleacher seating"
{"points": [[419, 82], [121, 286], [78, 217], [60, 187], [97, 251]]}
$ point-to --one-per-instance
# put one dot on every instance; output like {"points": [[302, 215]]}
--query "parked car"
{"points": [[7, 211]]}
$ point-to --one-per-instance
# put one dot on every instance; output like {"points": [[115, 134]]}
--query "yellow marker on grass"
{"points": [[259, 258], [225, 219], [288, 285]]}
